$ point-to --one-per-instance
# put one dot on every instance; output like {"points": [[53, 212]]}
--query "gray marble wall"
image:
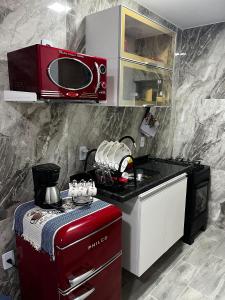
{"points": [[39, 133], [198, 114]]}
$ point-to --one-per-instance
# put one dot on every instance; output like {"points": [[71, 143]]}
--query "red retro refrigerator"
{"points": [[87, 262]]}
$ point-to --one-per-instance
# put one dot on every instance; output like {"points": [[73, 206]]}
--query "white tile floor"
{"points": [[195, 272]]}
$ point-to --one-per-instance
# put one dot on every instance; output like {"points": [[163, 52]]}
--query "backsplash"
{"points": [[39, 133]]}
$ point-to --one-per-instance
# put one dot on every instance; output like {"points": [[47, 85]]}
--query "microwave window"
{"points": [[70, 73]]}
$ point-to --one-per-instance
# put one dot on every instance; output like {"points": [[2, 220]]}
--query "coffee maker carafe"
{"points": [[46, 193]]}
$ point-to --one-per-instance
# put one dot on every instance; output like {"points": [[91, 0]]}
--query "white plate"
{"points": [[110, 157], [122, 151], [98, 154], [105, 153]]}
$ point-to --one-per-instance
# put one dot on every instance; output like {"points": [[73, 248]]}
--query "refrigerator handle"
{"points": [[75, 281], [85, 295]]}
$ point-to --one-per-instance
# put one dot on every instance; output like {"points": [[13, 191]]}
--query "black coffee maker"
{"points": [[46, 193]]}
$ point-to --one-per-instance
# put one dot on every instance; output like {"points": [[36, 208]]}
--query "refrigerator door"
{"points": [[77, 261], [104, 285]]}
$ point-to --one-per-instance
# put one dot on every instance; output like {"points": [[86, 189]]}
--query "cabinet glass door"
{"points": [[146, 41], [142, 85]]}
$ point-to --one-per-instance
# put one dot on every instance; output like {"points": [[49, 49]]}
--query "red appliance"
{"points": [[87, 261], [57, 73]]}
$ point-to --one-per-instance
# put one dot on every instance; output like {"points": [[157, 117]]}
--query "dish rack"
{"points": [[104, 176]]}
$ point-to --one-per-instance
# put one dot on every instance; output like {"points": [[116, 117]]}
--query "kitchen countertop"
{"points": [[159, 170]]}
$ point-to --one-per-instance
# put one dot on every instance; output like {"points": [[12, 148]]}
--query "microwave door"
{"points": [[70, 74]]}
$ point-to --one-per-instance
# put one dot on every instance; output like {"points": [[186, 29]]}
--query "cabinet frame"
{"points": [[142, 67], [135, 15]]}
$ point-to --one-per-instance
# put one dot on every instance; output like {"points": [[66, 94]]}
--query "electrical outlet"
{"points": [[142, 142], [5, 257], [83, 152]]}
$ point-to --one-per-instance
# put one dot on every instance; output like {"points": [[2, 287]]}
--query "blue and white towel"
{"points": [[39, 226]]}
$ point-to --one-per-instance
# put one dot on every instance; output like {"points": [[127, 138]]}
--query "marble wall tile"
{"points": [[197, 119], [219, 294], [26, 22]]}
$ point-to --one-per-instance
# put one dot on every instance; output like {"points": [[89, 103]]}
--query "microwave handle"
{"points": [[98, 77]]}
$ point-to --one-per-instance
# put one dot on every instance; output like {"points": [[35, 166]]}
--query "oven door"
{"points": [[201, 193]]}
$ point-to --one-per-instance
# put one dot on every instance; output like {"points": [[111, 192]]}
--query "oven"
{"points": [[57, 73], [196, 214], [200, 192]]}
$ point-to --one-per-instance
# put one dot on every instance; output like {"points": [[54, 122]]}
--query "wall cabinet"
{"points": [[140, 56], [152, 223]]}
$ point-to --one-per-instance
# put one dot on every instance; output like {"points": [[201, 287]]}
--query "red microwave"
{"points": [[57, 73]]}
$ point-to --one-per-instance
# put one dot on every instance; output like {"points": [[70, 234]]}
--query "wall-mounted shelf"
{"points": [[28, 97], [17, 96]]}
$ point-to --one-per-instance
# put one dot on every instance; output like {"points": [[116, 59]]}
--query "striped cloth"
{"points": [[41, 234]]}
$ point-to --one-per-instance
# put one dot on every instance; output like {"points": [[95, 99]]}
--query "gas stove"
{"points": [[195, 164]]}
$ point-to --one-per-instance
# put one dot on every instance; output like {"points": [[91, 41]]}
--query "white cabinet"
{"points": [[139, 56], [152, 223]]}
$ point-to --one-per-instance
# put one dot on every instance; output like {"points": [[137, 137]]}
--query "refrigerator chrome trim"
{"points": [[78, 279], [101, 268], [85, 295], [87, 236]]}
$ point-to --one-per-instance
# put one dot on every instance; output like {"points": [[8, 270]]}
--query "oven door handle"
{"points": [[98, 77], [85, 295], [75, 281]]}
